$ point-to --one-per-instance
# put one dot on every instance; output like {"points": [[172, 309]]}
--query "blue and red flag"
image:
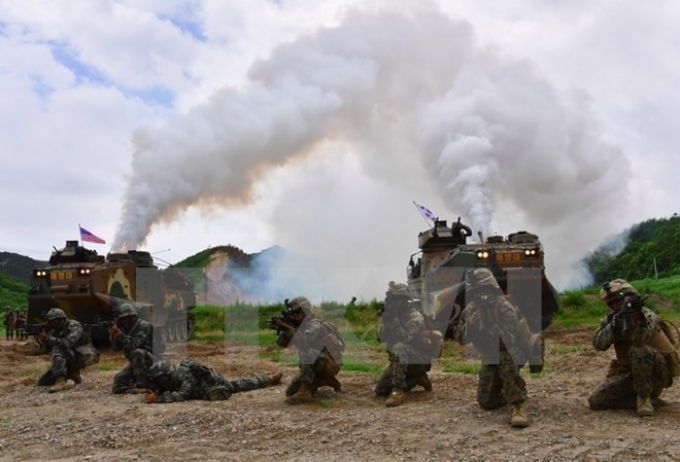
{"points": [[87, 236]]}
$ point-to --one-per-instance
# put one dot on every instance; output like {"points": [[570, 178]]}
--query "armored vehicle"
{"points": [[436, 274], [89, 288]]}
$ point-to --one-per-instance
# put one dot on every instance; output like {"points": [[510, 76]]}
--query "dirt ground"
{"points": [[89, 423]]}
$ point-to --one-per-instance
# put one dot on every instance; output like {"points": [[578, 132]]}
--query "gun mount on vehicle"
{"points": [[436, 274], [89, 288]]}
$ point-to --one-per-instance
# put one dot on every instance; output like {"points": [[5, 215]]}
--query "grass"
{"points": [[462, 368], [563, 350], [106, 367]]}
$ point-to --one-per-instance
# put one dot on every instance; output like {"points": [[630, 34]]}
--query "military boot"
{"points": [[644, 406], [303, 396], [517, 416], [396, 398], [424, 382], [75, 376], [60, 385], [275, 378]]}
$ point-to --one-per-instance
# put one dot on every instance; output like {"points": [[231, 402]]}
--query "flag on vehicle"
{"points": [[425, 212], [87, 236]]}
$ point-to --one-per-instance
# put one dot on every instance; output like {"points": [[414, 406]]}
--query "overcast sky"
{"points": [[315, 125]]}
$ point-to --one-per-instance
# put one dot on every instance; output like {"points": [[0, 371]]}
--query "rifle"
{"points": [[35, 329], [631, 304], [283, 322]]}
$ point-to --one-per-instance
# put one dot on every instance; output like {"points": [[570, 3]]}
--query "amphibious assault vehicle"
{"points": [[89, 288], [436, 274]]}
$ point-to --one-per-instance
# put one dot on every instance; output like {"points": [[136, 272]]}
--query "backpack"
{"points": [[673, 334]]}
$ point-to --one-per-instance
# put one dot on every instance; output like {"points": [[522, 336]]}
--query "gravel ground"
{"points": [[88, 423]]}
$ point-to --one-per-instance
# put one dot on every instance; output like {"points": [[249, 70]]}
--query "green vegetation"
{"points": [[651, 246], [12, 292]]}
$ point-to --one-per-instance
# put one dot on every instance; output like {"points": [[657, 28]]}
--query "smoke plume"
{"points": [[421, 103]]}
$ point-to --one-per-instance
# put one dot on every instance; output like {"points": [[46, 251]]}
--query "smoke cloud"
{"points": [[426, 111]]}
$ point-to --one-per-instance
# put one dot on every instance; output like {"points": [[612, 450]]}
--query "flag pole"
{"points": [[80, 241]]}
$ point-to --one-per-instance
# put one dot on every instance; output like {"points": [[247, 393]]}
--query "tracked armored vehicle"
{"points": [[436, 274], [89, 288]]}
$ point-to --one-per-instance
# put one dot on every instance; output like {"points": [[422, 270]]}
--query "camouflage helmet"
{"points": [[162, 367], [479, 279], [299, 303], [395, 289], [55, 313], [617, 288], [125, 310]]}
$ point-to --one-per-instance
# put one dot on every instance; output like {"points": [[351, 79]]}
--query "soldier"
{"points": [[71, 347], [193, 380], [136, 338], [640, 371], [320, 349], [500, 333], [410, 347], [9, 320], [20, 325]]}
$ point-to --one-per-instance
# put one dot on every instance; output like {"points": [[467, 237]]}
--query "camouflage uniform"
{"points": [[639, 373], [320, 349], [497, 329], [71, 351], [20, 325], [9, 320], [193, 380], [137, 343], [402, 328]]}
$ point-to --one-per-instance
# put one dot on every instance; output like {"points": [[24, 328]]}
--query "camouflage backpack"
{"points": [[333, 341]]}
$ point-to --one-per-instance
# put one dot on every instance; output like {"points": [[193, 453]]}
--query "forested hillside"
{"points": [[647, 250]]}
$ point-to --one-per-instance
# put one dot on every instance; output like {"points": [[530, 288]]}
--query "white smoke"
{"points": [[421, 104]]}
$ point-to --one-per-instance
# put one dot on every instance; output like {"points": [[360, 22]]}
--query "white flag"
{"points": [[426, 213]]}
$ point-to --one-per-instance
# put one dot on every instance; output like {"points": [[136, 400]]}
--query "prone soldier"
{"points": [[193, 380]]}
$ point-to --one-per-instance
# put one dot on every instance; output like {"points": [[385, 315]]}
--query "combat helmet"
{"points": [[159, 368], [125, 310], [480, 279], [397, 289], [299, 303], [616, 289], [55, 313]]}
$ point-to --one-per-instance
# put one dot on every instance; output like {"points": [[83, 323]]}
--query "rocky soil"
{"points": [[88, 423]]}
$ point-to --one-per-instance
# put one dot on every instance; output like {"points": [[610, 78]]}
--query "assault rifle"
{"points": [[630, 304], [35, 329], [283, 322]]}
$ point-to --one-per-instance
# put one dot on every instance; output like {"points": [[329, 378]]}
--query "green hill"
{"points": [[647, 250], [12, 292]]}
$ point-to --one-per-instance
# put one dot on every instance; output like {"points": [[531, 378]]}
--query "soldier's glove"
{"points": [[615, 321], [43, 336]]}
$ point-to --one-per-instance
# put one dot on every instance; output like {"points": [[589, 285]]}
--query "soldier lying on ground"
{"points": [[136, 338], [646, 359], [71, 350], [320, 350], [193, 380]]}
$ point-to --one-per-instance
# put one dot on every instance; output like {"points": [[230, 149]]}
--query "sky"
{"points": [[177, 126]]}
